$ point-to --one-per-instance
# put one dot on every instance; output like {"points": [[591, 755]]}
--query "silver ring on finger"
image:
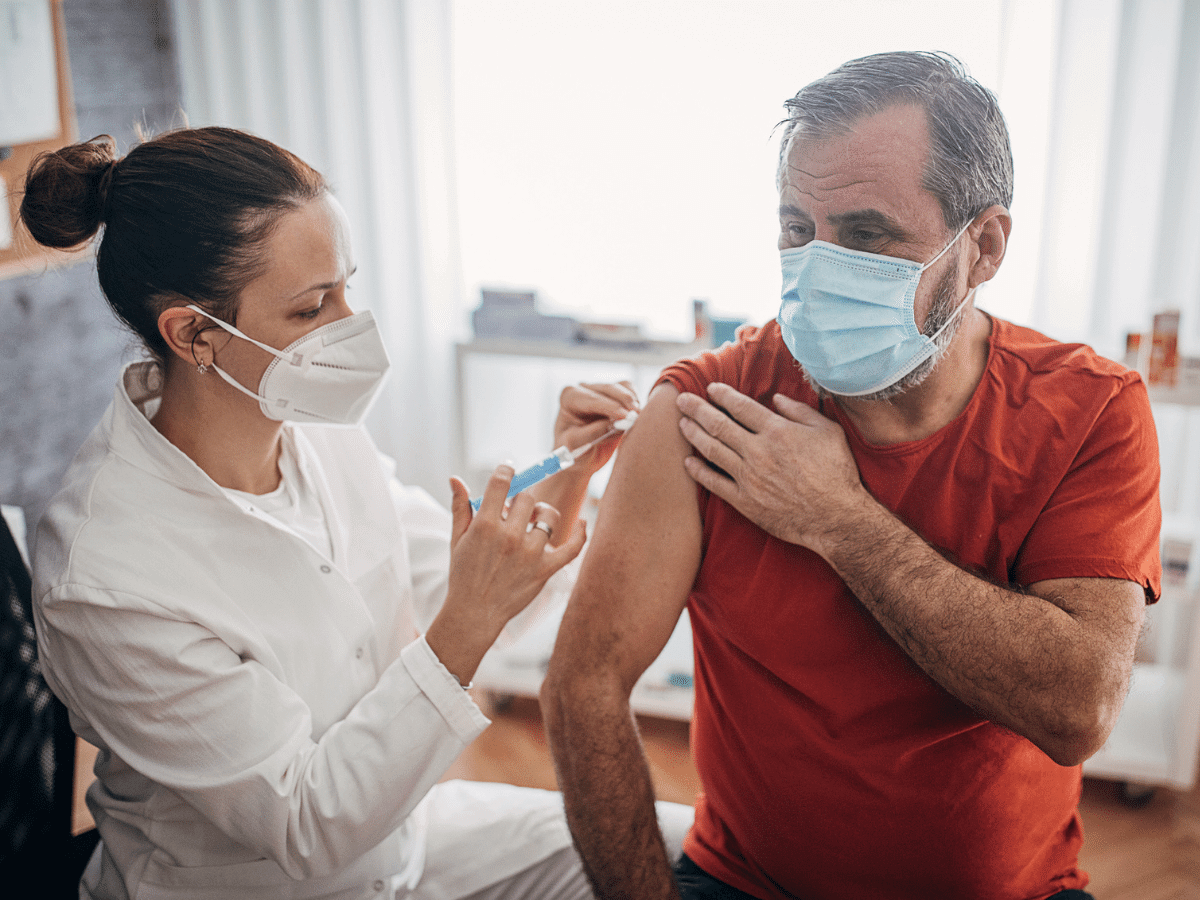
{"points": [[543, 526]]}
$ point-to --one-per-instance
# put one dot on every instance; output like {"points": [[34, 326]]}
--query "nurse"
{"points": [[265, 634]]}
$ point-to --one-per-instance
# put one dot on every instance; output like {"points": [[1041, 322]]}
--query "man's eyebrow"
{"points": [[869, 217], [787, 209]]}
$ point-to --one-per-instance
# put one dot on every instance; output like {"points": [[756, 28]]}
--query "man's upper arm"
{"points": [[642, 559]]}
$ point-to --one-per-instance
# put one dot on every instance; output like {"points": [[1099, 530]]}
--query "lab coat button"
{"points": [[326, 569], [358, 653], [378, 886]]}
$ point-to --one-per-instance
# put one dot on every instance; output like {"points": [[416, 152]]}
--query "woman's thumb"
{"points": [[460, 510]]}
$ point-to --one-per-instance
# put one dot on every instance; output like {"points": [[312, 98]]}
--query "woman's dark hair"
{"points": [[184, 216]]}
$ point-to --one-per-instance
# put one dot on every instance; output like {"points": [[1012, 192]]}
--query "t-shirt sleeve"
{"points": [[693, 374], [690, 376], [1104, 518]]}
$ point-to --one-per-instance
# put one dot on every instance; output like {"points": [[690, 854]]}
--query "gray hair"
{"points": [[970, 161]]}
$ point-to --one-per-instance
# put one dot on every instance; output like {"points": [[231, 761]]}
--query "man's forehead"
{"points": [[883, 154]]}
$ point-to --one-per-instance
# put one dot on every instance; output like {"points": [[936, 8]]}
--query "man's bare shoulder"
{"points": [[649, 486], [644, 552]]}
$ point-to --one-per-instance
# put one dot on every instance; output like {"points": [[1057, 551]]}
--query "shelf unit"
{"points": [[1156, 741], [537, 370], [664, 690]]}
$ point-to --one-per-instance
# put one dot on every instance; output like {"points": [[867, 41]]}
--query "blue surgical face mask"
{"points": [[847, 316]]}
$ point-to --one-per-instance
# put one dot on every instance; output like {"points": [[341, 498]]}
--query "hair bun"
{"points": [[66, 192]]}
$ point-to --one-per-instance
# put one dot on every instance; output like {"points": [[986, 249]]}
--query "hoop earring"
{"points": [[202, 368]]}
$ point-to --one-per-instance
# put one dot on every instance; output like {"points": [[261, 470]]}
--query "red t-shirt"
{"points": [[832, 767]]}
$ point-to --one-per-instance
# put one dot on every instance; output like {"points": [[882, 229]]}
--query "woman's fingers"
{"points": [[621, 392], [495, 493], [460, 510], [587, 402], [542, 522]]}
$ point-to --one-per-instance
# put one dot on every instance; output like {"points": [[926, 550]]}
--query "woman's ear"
{"points": [[989, 232], [186, 334]]}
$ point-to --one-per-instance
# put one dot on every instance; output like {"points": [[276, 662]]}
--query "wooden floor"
{"points": [[1151, 853]]}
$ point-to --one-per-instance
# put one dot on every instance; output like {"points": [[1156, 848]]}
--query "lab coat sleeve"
{"points": [[426, 525], [186, 710]]}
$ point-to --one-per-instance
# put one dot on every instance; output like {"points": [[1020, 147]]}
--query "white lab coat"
{"points": [[269, 720]]}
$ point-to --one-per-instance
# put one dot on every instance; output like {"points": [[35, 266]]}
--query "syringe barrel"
{"points": [[535, 473], [527, 478]]}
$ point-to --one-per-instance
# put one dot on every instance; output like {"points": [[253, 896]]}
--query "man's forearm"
{"points": [[1019, 659], [608, 796]]}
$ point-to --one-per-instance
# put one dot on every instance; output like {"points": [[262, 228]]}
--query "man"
{"points": [[915, 543]]}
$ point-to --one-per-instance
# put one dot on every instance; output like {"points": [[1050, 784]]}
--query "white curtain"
{"points": [[1105, 89], [360, 89], [1120, 240]]}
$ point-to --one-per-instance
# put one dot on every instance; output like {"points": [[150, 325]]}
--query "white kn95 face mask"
{"points": [[330, 376]]}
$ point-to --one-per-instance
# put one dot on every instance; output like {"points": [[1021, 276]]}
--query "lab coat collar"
{"points": [[134, 439]]}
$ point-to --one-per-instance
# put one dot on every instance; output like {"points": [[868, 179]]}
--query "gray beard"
{"points": [[945, 302]]}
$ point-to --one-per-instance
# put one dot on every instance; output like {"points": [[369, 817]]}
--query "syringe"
{"points": [[557, 460]]}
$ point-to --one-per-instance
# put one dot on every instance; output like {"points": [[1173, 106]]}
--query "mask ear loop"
{"points": [[953, 241], [217, 323], [203, 368]]}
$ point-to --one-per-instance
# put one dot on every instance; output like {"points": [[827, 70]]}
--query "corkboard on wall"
{"points": [[24, 254]]}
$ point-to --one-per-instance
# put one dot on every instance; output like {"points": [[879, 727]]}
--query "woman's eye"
{"points": [[310, 313]]}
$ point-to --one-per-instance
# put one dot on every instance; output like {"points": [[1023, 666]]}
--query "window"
{"points": [[620, 158]]}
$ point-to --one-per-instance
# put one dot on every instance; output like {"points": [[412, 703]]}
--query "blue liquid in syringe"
{"points": [[560, 459]]}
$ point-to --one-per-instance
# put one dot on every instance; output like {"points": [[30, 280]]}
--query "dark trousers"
{"points": [[696, 884]]}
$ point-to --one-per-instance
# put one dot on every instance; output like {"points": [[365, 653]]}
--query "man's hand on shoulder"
{"points": [[789, 472]]}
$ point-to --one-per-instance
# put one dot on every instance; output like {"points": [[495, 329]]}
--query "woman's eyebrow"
{"points": [[324, 285]]}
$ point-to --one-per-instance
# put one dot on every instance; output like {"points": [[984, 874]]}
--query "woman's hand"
{"points": [[500, 558], [586, 412]]}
